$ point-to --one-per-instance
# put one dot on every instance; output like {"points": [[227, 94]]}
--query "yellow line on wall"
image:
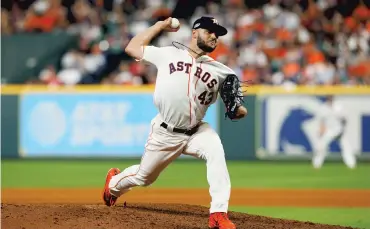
{"points": [[21, 89], [251, 90], [310, 90]]}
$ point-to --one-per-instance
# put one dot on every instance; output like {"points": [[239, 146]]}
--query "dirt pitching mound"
{"points": [[133, 216]]}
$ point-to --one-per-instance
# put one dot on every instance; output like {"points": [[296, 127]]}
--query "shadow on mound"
{"points": [[133, 216]]}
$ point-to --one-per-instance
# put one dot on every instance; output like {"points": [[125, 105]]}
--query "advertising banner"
{"points": [[289, 125], [87, 125]]}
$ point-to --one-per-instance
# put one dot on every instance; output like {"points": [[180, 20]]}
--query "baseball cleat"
{"points": [[220, 220], [108, 198]]}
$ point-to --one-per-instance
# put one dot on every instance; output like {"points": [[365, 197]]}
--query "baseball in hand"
{"points": [[175, 23]]}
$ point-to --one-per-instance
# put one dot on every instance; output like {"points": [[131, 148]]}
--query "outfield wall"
{"points": [[113, 121]]}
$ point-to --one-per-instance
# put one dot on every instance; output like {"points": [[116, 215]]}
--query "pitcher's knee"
{"points": [[144, 181], [147, 182]]}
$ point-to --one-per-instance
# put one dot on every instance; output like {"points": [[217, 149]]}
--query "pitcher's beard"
{"points": [[204, 47]]}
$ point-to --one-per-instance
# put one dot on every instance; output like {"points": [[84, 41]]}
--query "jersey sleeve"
{"points": [[153, 54]]}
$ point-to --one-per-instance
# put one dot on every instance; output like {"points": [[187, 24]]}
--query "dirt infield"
{"points": [[241, 197], [135, 216], [159, 208]]}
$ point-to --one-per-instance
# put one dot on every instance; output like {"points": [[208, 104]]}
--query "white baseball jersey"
{"points": [[333, 116], [185, 86]]}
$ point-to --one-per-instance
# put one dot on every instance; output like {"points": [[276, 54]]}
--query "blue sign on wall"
{"points": [[290, 124], [88, 124]]}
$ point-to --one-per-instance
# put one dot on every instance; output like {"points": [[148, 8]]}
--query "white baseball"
{"points": [[175, 23]]}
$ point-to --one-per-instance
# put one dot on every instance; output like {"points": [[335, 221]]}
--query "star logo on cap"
{"points": [[215, 21]]}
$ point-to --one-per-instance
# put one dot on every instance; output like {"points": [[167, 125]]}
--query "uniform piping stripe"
{"points": [[195, 86], [192, 63], [196, 82], [145, 151]]}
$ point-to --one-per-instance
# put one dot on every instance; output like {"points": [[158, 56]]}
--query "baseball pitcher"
{"points": [[332, 127], [188, 82]]}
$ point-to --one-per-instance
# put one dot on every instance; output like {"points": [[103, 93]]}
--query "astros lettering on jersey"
{"points": [[192, 83]]}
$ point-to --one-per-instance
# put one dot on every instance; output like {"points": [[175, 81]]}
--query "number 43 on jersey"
{"points": [[206, 97]]}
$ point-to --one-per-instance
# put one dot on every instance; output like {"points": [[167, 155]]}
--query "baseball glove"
{"points": [[231, 95]]}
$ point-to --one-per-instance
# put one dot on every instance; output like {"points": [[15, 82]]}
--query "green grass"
{"points": [[192, 174], [187, 174], [354, 217]]}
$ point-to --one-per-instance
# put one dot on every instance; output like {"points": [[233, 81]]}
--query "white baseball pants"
{"points": [[164, 146], [319, 156]]}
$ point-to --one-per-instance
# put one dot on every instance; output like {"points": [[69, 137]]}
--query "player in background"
{"points": [[332, 126], [187, 83]]}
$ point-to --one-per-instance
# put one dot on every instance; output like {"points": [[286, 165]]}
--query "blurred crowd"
{"points": [[277, 42]]}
